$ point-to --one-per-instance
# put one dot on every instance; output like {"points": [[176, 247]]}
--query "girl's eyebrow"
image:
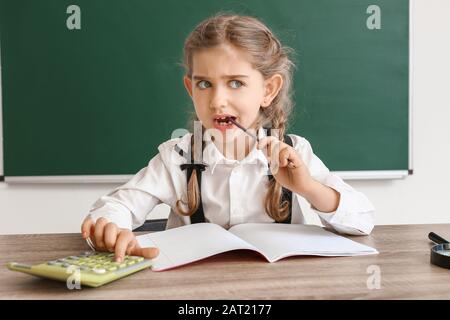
{"points": [[223, 77]]}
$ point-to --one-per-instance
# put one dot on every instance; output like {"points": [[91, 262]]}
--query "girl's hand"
{"points": [[286, 165], [109, 237]]}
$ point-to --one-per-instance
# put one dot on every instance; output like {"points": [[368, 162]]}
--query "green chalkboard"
{"points": [[100, 99]]}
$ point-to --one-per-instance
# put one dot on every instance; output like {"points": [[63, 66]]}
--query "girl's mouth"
{"points": [[223, 123]]}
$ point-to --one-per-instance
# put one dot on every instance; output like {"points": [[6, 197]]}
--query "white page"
{"points": [[190, 243], [279, 240]]}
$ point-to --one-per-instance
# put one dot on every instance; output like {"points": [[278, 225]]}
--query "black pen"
{"points": [[290, 163], [245, 130]]}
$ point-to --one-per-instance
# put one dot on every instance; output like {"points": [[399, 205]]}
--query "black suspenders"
{"points": [[199, 216]]}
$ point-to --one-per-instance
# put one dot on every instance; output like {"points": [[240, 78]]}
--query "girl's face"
{"points": [[224, 83]]}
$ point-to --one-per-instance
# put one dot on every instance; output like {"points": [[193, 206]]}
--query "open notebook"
{"points": [[186, 244]]}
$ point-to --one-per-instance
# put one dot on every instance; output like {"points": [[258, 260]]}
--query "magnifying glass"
{"points": [[440, 253]]}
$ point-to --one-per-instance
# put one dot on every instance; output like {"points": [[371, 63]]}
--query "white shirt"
{"points": [[232, 191]]}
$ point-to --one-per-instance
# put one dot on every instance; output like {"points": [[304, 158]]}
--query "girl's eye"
{"points": [[199, 84], [239, 84], [235, 84]]}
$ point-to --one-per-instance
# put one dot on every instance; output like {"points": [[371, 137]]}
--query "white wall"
{"points": [[421, 198]]}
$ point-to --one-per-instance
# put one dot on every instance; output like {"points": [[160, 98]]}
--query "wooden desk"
{"points": [[403, 261]]}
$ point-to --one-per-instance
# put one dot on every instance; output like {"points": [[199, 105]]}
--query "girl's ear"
{"points": [[272, 86], [188, 85]]}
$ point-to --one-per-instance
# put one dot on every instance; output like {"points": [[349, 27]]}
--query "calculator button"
{"points": [[111, 268], [52, 263], [131, 262], [122, 265], [99, 270], [74, 257], [65, 265]]}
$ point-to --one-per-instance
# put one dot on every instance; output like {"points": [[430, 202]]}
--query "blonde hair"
{"points": [[269, 57]]}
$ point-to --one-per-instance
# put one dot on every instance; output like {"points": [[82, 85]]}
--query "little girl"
{"points": [[236, 72]]}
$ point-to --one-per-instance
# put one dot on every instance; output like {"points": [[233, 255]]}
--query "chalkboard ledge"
{"points": [[372, 174], [120, 178], [346, 175]]}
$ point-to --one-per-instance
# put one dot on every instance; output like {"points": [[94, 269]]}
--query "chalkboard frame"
{"points": [[346, 175]]}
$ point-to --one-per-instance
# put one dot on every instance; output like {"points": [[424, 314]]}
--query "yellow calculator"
{"points": [[91, 268]]}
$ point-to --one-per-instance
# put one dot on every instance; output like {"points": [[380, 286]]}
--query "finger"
{"points": [[91, 235], [110, 236], [130, 246], [147, 253], [86, 227], [294, 159], [262, 143], [284, 157], [123, 240], [98, 233], [265, 145]]}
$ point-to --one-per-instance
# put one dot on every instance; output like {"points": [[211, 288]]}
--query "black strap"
{"points": [[199, 215]]}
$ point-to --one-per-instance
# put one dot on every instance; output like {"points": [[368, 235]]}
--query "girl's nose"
{"points": [[219, 99]]}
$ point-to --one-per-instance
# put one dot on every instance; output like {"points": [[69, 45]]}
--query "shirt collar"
{"points": [[212, 156]]}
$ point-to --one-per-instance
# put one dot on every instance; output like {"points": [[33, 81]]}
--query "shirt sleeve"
{"points": [[355, 213], [128, 205]]}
